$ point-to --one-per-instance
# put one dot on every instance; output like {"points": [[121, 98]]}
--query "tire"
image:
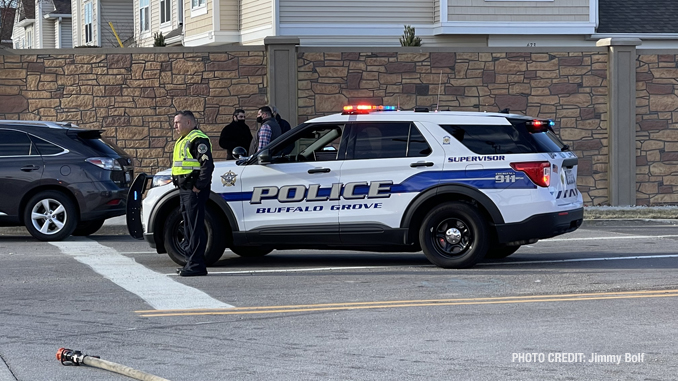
{"points": [[251, 251], [454, 235], [501, 251], [173, 235], [50, 216], [88, 227]]}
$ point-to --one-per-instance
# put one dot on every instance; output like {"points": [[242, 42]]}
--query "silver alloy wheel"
{"points": [[49, 216]]}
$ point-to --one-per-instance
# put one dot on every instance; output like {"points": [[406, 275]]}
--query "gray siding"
{"points": [[48, 34], [524, 12], [121, 14], [66, 39], [356, 12]]}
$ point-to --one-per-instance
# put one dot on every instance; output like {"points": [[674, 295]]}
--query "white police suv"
{"points": [[461, 186]]}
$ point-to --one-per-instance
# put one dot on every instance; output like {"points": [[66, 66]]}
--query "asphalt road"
{"points": [[561, 309]]}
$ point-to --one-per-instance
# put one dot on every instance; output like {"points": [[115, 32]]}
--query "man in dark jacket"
{"points": [[268, 131], [284, 125], [235, 134]]}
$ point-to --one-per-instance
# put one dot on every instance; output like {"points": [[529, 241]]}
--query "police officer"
{"points": [[192, 168]]}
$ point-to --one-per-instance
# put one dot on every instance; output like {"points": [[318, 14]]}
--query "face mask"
{"points": [[260, 119]]}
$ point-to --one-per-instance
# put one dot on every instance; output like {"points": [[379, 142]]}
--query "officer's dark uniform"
{"points": [[192, 165]]}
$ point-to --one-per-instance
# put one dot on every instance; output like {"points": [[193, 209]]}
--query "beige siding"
{"points": [[508, 11], [357, 11], [256, 13], [120, 14], [18, 34], [76, 5], [199, 24], [229, 15]]}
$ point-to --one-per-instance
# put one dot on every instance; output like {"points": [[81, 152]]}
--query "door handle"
{"points": [[421, 164], [28, 168], [318, 170]]}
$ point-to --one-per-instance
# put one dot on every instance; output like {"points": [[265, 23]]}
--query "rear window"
{"points": [[102, 146], [505, 139]]}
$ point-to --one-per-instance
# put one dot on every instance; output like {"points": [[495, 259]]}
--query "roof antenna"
{"points": [[440, 81]]}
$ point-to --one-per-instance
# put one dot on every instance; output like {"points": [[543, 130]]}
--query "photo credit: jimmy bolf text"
{"points": [[577, 357]]}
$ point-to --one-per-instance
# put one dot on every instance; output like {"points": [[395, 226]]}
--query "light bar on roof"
{"points": [[365, 109]]}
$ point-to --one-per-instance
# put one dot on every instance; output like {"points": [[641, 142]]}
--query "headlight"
{"points": [[160, 180]]}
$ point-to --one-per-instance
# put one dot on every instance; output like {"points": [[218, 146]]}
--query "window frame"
{"points": [[165, 11], [411, 125], [88, 24], [144, 16]]}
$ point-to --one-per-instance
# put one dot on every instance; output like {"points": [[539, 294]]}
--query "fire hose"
{"points": [[71, 357]]}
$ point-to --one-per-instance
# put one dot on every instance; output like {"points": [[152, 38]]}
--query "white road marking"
{"points": [[608, 238], [159, 291], [578, 260], [5, 373]]}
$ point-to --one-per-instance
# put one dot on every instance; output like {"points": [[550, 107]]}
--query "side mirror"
{"points": [[239, 152], [264, 157]]}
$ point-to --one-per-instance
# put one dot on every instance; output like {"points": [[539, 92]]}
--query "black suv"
{"points": [[58, 179]]}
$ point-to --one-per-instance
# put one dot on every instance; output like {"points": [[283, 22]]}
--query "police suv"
{"points": [[459, 186]]}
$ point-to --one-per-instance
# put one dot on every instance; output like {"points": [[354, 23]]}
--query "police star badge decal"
{"points": [[228, 179]]}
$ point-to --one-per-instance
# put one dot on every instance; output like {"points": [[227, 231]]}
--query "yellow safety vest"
{"points": [[183, 162]]}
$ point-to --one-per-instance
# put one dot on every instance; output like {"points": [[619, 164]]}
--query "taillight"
{"points": [[538, 171], [105, 163]]}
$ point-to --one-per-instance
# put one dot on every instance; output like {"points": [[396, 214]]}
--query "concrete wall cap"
{"points": [[619, 41], [280, 40]]}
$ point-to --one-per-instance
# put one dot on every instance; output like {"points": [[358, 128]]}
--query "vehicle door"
{"points": [[292, 187], [21, 167], [387, 165]]}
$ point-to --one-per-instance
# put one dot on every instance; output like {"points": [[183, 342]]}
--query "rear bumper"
{"points": [[541, 226]]}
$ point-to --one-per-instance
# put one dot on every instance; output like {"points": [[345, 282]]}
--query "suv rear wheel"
{"points": [[454, 236], [174, 236], [50, 216]]}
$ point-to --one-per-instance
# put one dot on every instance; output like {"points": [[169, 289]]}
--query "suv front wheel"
{"points": [[454, 236], [50, 216], [174, 236]]}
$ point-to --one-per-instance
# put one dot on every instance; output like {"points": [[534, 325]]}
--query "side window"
{"points": [[320, 142], [492, 139], [388, 140], [45, 147], [16, 143], [417, 145]]}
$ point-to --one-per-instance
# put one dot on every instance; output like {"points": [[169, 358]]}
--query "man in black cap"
{"points": [[235, 134]]}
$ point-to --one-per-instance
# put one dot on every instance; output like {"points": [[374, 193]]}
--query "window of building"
{"points": [[88, 22], [144, 16], [165, 11], [197, 3]]}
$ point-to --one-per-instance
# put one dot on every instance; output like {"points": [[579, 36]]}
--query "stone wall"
{"points": [[134, 95], [568, 87], [657, 129]]}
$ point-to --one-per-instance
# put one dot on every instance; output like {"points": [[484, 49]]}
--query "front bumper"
{"points": [[541, 226]]}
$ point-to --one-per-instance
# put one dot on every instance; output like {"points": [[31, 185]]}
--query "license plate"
{"points": [[570, 177], [128, 177]]}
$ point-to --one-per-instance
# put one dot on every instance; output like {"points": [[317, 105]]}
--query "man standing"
{"points": [[268, 131], [235, 134], [284, 125], [192, 168]]}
